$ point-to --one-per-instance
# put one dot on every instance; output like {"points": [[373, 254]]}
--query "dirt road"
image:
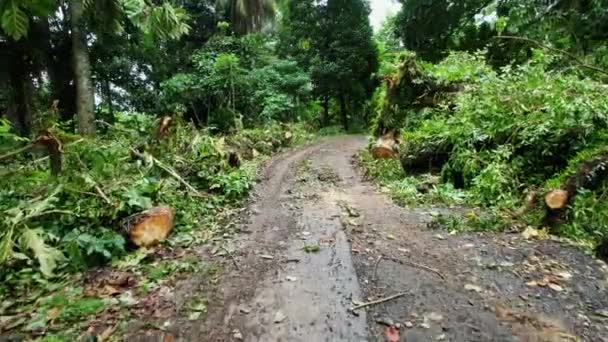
{"points": [[320, 240]]}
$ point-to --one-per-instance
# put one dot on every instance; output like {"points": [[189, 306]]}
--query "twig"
{"points": [[550, 48], [236, 265], [22, 149], [170, 171], [376, 268], [411, 263], [103, 195], [379, 301]]}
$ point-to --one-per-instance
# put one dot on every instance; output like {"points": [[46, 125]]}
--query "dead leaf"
{"points": [[602, 313], [555, 287], [279, 317], [392, 334], [471, 287], [532, 283], [52, 315], [542, 283], [531, 232], [106, 333], [110, 290], [435, 317]]}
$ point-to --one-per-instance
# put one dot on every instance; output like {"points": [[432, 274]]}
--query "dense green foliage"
{"points": [[504, 134], [239, 78], [333, 41], [493, 100], [71, 220], [108, 70], [432, 28]]}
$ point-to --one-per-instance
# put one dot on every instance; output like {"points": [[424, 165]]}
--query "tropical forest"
{"points": [[303, 170]]}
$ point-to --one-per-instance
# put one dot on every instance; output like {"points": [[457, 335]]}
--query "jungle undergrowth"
{"points": [[60, 228], [494, 138]]}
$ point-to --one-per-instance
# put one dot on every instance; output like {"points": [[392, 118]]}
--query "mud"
{"points": [[499, 287]]}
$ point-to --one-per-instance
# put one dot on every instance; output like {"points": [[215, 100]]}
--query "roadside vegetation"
{"points": [[505, 114], [131, 132]]}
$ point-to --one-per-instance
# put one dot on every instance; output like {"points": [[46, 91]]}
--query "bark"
{"points": [[85, 100], [343, 112], [54, 148]]}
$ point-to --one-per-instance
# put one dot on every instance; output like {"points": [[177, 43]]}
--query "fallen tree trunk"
{"points": [[150, 227], [386, 146]]}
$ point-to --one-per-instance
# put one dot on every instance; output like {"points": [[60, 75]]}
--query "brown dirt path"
{"points": [[456, 287]]}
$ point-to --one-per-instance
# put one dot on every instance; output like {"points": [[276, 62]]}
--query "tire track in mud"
{"points": [[281, 292], [314, 196]]}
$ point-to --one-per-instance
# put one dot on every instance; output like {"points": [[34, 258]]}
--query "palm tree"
{"points": [[248, 16]]}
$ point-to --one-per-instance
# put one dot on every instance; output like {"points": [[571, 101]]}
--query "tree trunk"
{"points": [[85, 100], [325, 118], [108, 91], [343, 112], [21, 83]]}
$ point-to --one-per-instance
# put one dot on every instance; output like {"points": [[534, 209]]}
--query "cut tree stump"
{"points": [[150, 227], [557, 199], [386, 146]]}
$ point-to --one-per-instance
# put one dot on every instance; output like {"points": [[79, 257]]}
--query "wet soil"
{"points": [[320, 240]]}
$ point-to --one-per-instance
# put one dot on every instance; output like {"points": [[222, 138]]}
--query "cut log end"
{"points": [[150, 227], [385, 147], [557, 199]]}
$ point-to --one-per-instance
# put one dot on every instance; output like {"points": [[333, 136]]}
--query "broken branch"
{"points": [[170, 171], [376, 268], [103, 195], [565, 53], [379, 301], [18, 151], [426, 268]]}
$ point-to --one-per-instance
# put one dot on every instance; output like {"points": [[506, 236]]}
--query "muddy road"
{"points": [[319, 240]]}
